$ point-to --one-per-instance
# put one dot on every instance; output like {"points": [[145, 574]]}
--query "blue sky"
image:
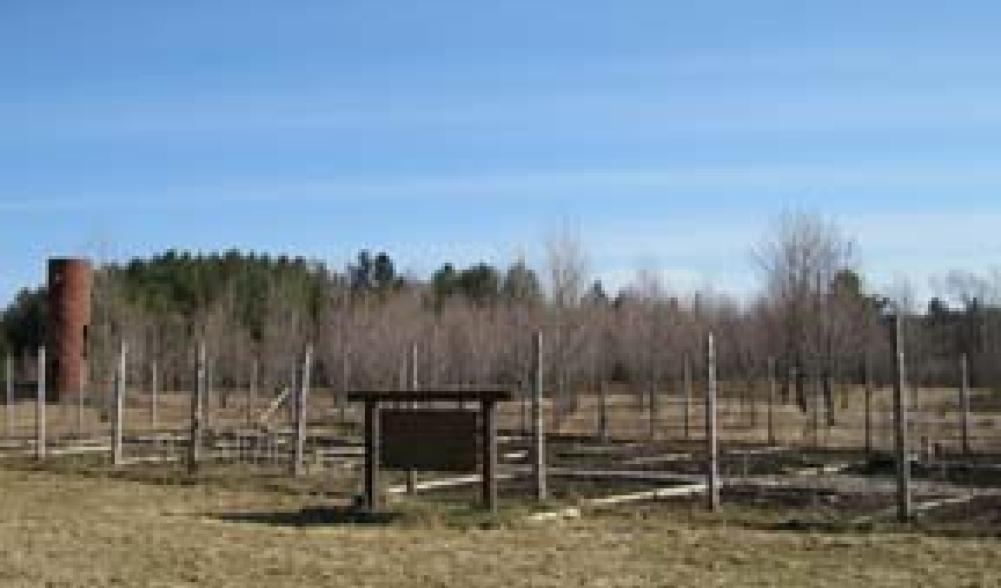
{"points": [[669, 134]]}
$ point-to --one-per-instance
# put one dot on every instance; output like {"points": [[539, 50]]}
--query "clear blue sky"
{"points": [[669, 133]]}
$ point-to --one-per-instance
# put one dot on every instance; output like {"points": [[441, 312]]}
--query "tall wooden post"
{"points": [[792, 387], [9, 406], [154, 416], [964, 402], [538, 434], [688, 396], [900, 411], [345, 383], [118, 411], [868, 403], [40, 407], [772, 384], [197, 411], [372, 455], [488, 409], [712, 466], [652, 400], [524, 390], [208, 394], [603, 411], [252, 392], [412, 474], [301, 398], [818, 401]]}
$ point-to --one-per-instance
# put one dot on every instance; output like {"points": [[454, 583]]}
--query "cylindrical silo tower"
{"points": [[70, 283]]}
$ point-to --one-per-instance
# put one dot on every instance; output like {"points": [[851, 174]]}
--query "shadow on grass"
{"points": [[312, 517]]}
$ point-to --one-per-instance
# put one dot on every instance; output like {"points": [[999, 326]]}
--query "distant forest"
{"points": [[188, 287], [815, 318]]}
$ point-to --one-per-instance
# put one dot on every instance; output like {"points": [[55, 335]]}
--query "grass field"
{"points": [[75, 521], [62, 529]]}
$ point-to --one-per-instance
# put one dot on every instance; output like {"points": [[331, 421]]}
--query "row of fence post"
{"points": [[198, 423]]}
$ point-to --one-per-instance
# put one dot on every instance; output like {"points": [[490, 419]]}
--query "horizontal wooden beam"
{"points": [[432, 395]]}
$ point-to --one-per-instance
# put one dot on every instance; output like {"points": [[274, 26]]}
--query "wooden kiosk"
{"points": [[431, 430]]}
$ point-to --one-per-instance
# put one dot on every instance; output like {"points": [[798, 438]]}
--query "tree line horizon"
{"points": [[814, 318]]}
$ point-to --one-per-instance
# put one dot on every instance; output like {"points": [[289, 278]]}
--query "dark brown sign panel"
{"points": [[428, 440]]}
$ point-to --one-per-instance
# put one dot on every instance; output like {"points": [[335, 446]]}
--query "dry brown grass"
{"points": [[58, 529]]}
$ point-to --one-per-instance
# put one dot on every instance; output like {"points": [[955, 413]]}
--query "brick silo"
{"points": [[69, 290]]}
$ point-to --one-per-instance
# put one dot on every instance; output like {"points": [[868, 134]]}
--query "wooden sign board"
{"points": [[428, 439]]}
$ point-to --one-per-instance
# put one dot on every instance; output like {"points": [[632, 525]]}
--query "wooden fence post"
{"points": [[208, 394], [488, 408], [868, 403], [9, 406], [603, 411], [652, 404], [712, 471], [900, 410], [40, 407], [964, 402], [411, 473], [372, 455], [688, 396], [197, 411], [301, 398], [524, 390], [252, 393], [771, 400], [818, 400], [155, 400], [118, 410], [538, 434], [345, 383], [792, 389]]}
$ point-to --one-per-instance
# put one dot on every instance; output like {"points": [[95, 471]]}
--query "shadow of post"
{"points": [[311, 517]]}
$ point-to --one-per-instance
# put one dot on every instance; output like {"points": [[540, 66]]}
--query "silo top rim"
{"points": [[69, 260]]}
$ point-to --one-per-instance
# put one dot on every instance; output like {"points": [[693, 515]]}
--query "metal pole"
{"points": [[538, 433], [40, 407], [964, 402], [900, 411], [116, 425], [712, 470]]}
